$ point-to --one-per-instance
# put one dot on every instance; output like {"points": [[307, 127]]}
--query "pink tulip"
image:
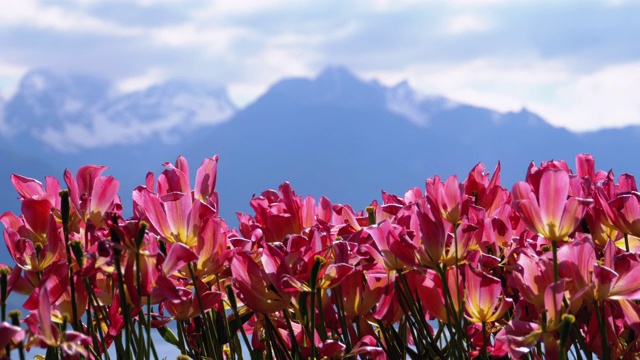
{"points": [[484, 301], [623, 211], [188, 305], [548, 210], [254, 286], [486, 193], [585, 168], [47, 333], [361, 293], [33, 250], [206, 177], [576, 262], [618, 277], [433, 232], [395, 251], [91, 194], [175, 178], [448, 197], [533, 275], [432, 294], [521, 336], [9, 336], [173, 216], [32, 189]]}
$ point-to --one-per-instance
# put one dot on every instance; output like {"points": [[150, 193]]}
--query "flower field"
{"points": [[457, 269]]}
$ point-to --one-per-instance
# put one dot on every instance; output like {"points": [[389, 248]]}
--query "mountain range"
{"points": [[334, 135]]}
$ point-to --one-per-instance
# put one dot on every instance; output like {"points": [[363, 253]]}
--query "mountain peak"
{"points": [[41, 80], [336, 74], [38, 80], [69, 112], [334, 86]]}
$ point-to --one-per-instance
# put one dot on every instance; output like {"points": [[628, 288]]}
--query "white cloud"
{"points": [[390, 5], [223, 8], [157, 2], [617, 2], [578, 101], [186, 111], [497, 83], [267, 67], [32, 13], [10, 75], [243, 93], [307, 39], [466, 23], [481, 3], [607, 97], [151, 77], [261, 41], [215, 40], [285, 55]]}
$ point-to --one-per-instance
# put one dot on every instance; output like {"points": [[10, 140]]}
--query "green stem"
{"points": [[123, 297], [294, 343], [15, 321], [181, 337], [211, 332], [65, 213], [484, 340], [626, 241], [276, 340], [140, 312], [4, 274], [417, 317], [100, 314], [234, 307], [323, 330], [554, 249], [346, 337], [146, 322], [606, 354]]}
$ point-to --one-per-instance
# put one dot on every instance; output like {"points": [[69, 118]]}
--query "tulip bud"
{"points": [[567, 320], [231, 296], [76, 247], [15, 317], [371, 212], [38, 248], [141, 232], [4, 273], [314, 271], [64, 206]]}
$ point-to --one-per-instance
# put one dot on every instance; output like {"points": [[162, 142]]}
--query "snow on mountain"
{"points": [[334, 135], [69, 113], [338, 86], [2, 125], [47, 99], [198, 104], [406, 102]]}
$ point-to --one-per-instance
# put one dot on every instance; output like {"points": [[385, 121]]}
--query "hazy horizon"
{"points": [[576, 64]]}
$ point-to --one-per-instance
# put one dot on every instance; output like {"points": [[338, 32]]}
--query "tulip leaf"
{"points": [[168, 335], [233, 325]]}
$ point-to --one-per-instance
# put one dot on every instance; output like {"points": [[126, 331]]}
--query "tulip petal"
{"points": [[552, 196], [27, 187], [105, 191], [206, 177]]}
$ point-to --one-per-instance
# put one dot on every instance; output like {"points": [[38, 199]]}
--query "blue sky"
{"points": [[576, 63]]}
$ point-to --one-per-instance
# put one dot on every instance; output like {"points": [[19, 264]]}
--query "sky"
{"points": [[575, 63]]}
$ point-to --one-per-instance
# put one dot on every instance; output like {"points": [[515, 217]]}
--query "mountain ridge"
{"points": [[69, 113], [335, 135]]}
